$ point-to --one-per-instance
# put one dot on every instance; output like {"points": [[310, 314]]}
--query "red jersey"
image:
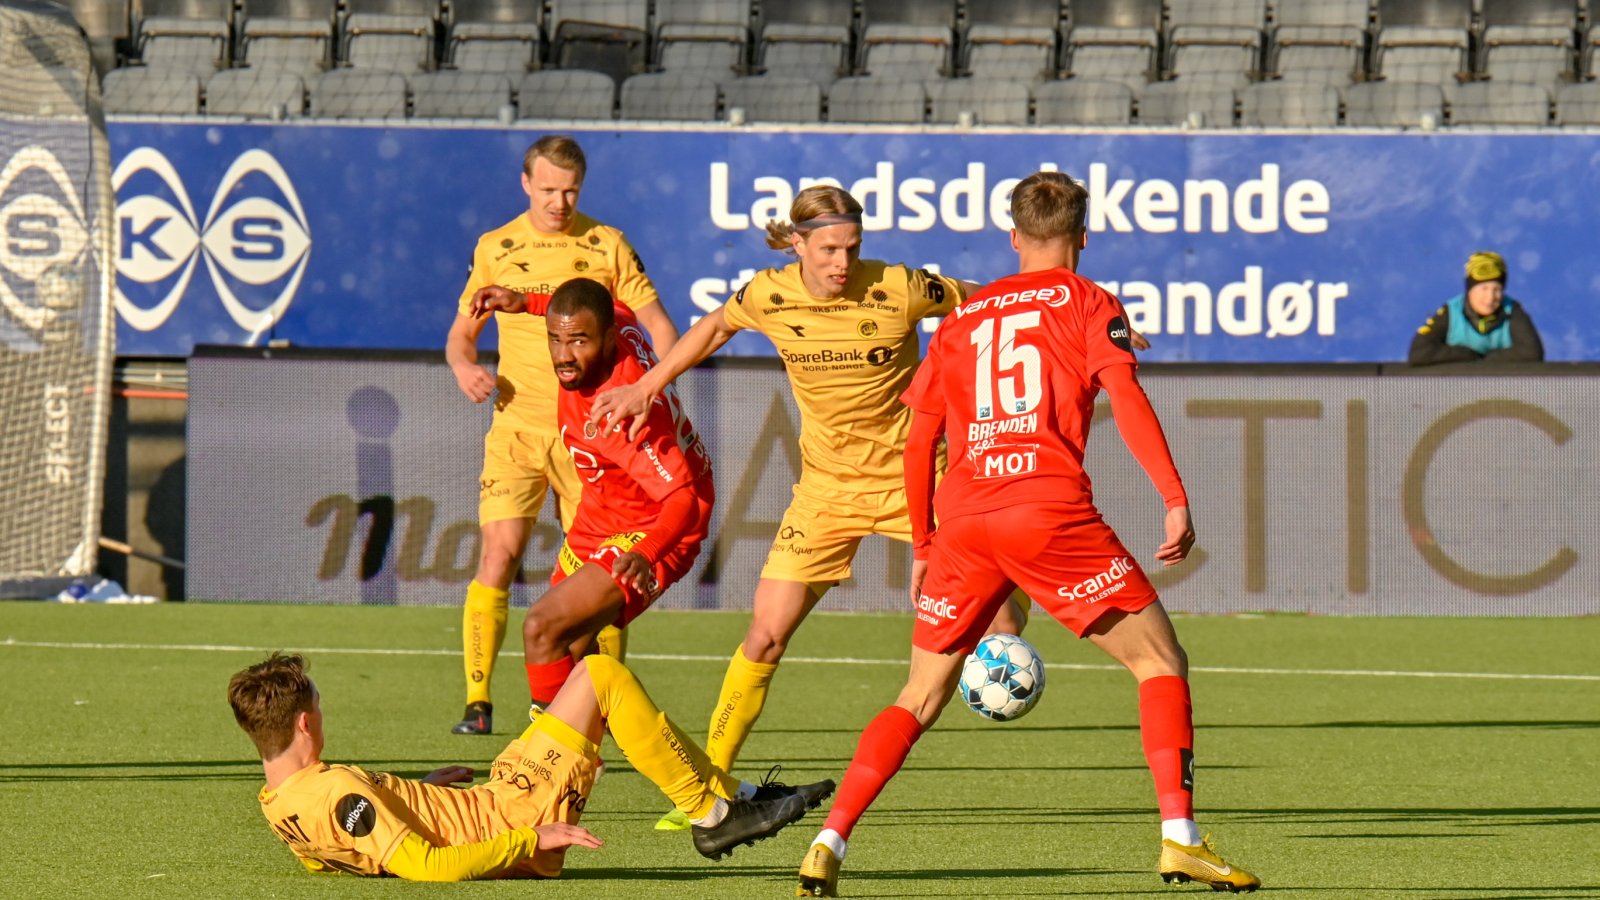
{"points": [[1012, 372], [625, 481]]}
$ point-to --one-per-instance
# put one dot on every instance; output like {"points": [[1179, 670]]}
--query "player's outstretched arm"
{"points": [[495, 298], [1141, 431], [448, 775], [616, 407], [414, 859], [461, 352]]}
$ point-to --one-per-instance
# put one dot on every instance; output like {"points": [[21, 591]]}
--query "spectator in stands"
{"points": [[1481, 323]]}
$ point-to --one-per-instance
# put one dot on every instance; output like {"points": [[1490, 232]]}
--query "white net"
{"points": [[56, 328]]}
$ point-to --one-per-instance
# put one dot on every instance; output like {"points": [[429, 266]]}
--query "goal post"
{"points": [[57, 265]]}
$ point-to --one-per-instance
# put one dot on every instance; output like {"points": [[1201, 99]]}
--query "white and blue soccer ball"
{"points": [[1003, 678]]}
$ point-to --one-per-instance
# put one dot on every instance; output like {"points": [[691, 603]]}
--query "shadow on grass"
{"points": [[708, 872], [185, 770]]}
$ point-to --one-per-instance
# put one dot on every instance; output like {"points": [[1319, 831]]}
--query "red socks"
{"points": [[1167, 727], [884, 746], [545, 679]]}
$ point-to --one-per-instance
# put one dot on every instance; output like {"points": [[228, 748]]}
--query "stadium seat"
{"points": [[144, 90], [991, 101], [907, 40], [1500, 103], [197, 44], [770, 98], [358, 94], [1322, 41], [566, 94], [1289, 104], [706, 37], [1171, 103], [1218, 43], [1013, 40], [669, 96], [256, 93], [1591, 53], [607, 36], [1114, 40], [459, 95], [806, 39], [1423, 41], [1393, 104], [1529, 41], [1082, 102], [398, 43], [870, 100], [1578, 104], [494, 36], [302, 42]]}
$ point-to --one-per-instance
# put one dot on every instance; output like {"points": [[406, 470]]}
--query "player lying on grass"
{"points": [[646, 503], [846, 328], [1009, 382], [520, 822]]}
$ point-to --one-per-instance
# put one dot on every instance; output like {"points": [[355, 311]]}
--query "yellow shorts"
{"points": [[519, 467], [542, 777], [822, 528]]}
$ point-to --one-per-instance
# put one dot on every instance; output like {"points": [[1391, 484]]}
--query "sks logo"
{"points": [[255, 240], [43, 235]]}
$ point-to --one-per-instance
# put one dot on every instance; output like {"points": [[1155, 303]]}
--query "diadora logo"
{"points": [[255, 240], [43, 235]]}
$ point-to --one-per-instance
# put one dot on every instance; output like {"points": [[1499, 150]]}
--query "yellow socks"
{"points": [[744, 692], [483, 627], [655, 745], [613, 642]]}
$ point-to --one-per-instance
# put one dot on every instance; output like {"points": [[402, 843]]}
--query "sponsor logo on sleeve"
{"points": [[1117, 331], [356, 815]]}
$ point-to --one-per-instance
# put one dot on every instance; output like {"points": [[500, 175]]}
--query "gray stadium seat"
{"points": [[1127, 55], [770, 98], [257, 93], [1529, 54], [1500, 103], [1215, 54], [1423, 41], [906, 52], [709, 50], [1320, 41], [806, 39], [1173, 103], [1081, 102], [710, 37], [609, 36], [459, 95], [1578, 104], [296, 45], [198, 45], [1289, 104], [358, 94], [1393, 104], [1011, 52], [869, 100], [494, 36], [669, 96], [384, 41], [151, 91], [991, 101], [566, 94]]}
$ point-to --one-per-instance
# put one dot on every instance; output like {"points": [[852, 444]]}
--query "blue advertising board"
{"points": [[1225, 247]]}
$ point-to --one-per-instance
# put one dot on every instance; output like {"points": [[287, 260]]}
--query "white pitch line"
{"points": [[824, 660]]}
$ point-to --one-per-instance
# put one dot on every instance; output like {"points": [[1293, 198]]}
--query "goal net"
{"points": [[57, 244]]}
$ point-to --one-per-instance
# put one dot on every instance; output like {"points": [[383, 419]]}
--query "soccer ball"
{"points": [[1002, 678]]}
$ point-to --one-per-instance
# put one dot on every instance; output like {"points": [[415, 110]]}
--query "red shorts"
{"points": [[1075, 569], [673, 565]]}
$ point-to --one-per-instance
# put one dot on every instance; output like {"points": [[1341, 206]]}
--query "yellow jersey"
{"points": [[346, 819], [516, 256], [849, 359]]}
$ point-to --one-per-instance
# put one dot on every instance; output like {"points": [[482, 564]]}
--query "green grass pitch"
{"points": [[1337, 757]]}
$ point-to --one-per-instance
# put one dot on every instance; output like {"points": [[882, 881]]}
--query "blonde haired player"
{"points": [[846, 329], [520, 822], [523, 455]]}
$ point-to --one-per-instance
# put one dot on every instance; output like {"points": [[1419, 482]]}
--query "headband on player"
{"points": [[824, 221]]}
